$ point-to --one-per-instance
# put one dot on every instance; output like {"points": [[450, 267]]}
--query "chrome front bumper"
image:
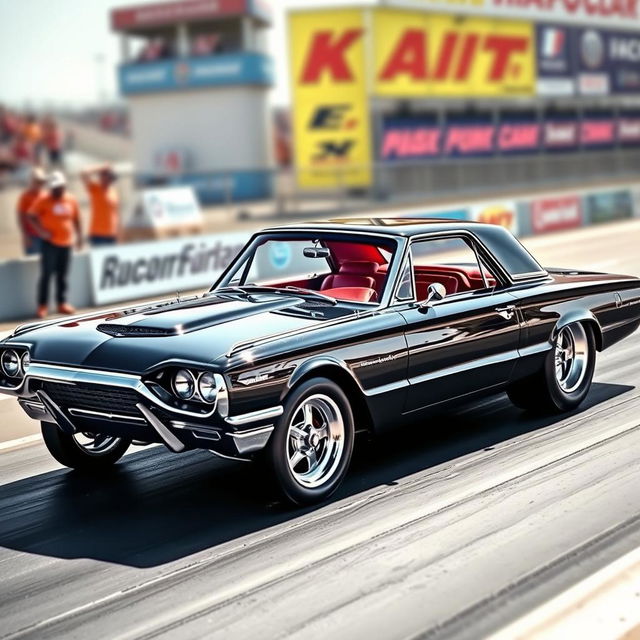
{"points": [[244, 441]]}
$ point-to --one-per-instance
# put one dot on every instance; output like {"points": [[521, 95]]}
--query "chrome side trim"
{"points": [[35, 410], [255, 416], [534, 349], [103, 414], [166, 436], [253, 440], [465, 366]]}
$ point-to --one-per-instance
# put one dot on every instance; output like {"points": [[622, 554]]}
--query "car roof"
{"points": [[405, 227], [500, 241]]}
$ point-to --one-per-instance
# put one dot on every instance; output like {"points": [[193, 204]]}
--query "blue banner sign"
{"points": [[189, 73]]}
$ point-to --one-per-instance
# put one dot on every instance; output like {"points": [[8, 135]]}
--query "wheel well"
{"points": [[597, 332], [361, 414]]}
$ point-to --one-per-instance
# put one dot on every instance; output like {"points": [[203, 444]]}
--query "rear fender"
{"points": [[579, 315]]}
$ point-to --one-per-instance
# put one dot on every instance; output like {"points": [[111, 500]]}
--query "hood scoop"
{"points": [[133, 331]]}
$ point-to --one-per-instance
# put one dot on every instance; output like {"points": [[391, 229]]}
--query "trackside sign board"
{"points": [[331, 116], [141, 270]]}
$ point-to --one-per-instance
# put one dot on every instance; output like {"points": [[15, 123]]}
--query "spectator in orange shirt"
{"points": [[30, 237], [33, 133], [105, 205], [56, 218]]}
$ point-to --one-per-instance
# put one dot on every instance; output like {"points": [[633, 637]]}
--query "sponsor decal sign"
{"points": [[609, 205], [598, 132], [555, 62], [556, 214], [174, 75], [629, 130], [560, 135], [127, 272], [421, 54], [331, 115], [500, 213], [168, 208]]}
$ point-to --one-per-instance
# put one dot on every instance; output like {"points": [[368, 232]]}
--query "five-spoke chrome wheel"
{"points": [[315, 440], [95, 444], [571, 355]]}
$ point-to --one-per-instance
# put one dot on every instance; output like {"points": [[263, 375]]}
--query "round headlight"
{"points": [[208, 387], [184, 384], [26, 362], [11, 363]]}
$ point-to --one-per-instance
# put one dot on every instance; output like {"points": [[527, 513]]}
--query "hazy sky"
{"points": [[50, 50]]}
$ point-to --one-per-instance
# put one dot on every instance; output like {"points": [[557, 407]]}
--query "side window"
{"points": [[451, 262]]}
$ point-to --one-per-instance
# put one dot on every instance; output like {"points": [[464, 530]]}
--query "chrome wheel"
{"points": [[315, 440], [571, 356], [95, 444]]}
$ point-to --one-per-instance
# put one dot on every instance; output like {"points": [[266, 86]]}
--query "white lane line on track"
{"points": [[18, 443], [606, 604]]}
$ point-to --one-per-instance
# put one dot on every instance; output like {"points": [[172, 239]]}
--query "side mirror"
{"points": [[435, 293], [316, 252]]}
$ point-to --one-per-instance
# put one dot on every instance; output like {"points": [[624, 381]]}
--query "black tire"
{"points": [[544, 392], [68, 452], [297, 484]]}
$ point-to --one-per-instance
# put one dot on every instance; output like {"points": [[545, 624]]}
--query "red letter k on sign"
{"points": [[328, 53]]}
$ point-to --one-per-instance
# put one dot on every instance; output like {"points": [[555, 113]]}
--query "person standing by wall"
{"points": [[56, 218], [30, 238], [105, 205]]}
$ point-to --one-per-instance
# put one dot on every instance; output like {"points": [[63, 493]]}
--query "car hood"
{"points": [[200, 331]]}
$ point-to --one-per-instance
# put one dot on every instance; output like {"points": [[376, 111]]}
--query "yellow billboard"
{"points": [[419, 54], [331, 124]]}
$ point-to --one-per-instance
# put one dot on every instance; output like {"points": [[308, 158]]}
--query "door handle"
{"points": [[507, 312]]}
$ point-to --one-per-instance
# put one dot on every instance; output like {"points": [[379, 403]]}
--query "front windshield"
{"points": [[349, 269]]}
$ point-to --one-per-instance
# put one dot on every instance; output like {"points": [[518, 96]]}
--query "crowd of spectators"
{"points": [[204, 44], [27, 140]]}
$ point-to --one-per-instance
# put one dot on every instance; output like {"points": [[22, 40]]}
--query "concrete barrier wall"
{"points": [[544, 213]]}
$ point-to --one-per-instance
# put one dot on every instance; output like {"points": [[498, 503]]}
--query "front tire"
{"points": [[86, 452], [311, 446], [565, 380]]}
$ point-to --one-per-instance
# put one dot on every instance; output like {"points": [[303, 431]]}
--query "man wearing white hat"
{"points": [[56, 218]]}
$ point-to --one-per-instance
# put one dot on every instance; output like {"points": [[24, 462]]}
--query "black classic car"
{"points": [[313, 333]]}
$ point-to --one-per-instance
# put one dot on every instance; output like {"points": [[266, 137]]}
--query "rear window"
{"points": [[510, 253]]}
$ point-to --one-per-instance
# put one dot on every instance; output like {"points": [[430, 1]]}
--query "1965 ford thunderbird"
{"points": [[314, 332]]}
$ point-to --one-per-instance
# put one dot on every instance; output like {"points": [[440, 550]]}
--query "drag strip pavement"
{"points": [[454, 527]]}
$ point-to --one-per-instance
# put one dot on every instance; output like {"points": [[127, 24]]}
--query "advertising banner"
{"points": [[331, 115], [556, 214], [171, 207], [127, 272], [188, 73], [560, 135], [608, 206], [628, 130], [611, 13], [421, 54], [503, 213], [555, 61]]}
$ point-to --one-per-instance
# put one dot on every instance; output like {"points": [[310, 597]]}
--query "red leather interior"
{"points": [[455, 278], [352, 273], [354, 294]]}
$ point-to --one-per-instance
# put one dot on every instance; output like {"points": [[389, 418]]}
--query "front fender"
{"points": [[313, 364]]}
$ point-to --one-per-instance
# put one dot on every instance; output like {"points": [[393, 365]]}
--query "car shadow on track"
{"points": [[155, 507]]}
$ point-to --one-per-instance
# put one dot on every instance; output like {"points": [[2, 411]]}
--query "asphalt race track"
{"points": [[453, 527]]}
